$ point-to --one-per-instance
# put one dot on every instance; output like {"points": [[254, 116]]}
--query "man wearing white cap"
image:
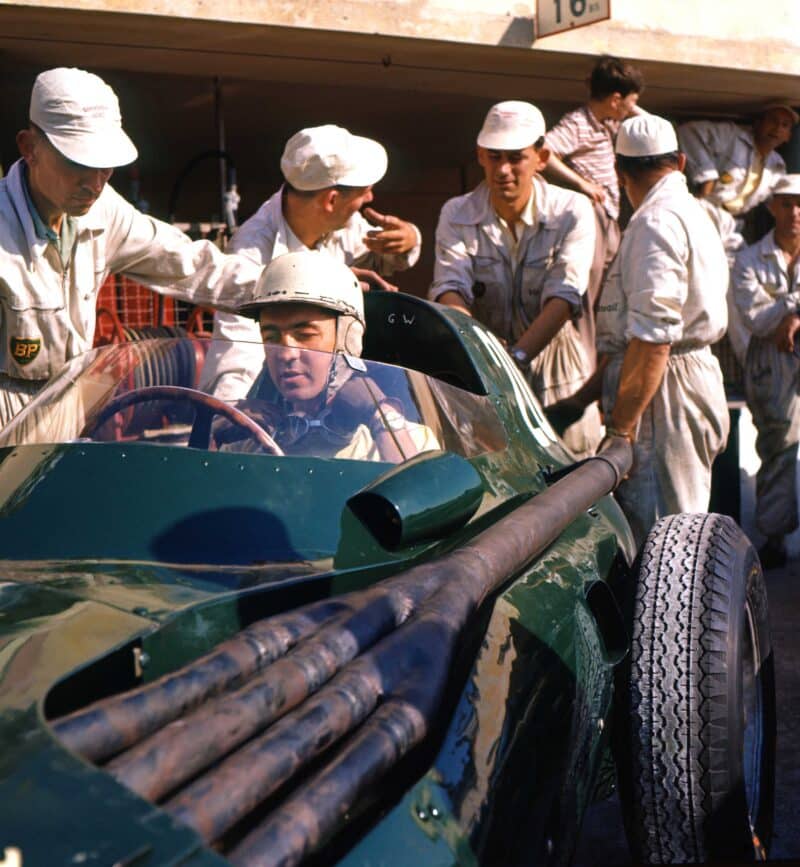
{"points": [[329, 174], [63, 230], [766, 290], [735, 167], [516, 254], [663, 305]]}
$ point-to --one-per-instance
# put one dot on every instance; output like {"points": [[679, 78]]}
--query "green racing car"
{"points": [[226, 639]]}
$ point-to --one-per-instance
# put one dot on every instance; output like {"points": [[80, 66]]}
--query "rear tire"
{"points": [[696, 740]]}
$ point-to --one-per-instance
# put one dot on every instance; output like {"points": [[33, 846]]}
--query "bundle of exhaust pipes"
{"points": [[358, 677]]}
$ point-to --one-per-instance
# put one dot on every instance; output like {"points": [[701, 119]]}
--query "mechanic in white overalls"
{"points": [[663, 305], [733, 169], [329, 174], [766, 289], [309, 308], [515, 253], [63, 230]]}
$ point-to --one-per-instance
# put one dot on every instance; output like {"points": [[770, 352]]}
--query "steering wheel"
{"points": [[206, 407]]}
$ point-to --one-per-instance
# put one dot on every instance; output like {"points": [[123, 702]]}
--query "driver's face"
{"points": [[287, 330]]}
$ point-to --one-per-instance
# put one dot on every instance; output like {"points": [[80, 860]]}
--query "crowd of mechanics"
{"points": [[612, 329]]}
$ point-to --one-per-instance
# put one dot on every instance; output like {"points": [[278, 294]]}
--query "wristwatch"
{"points": [[521, 358], [616, 432]]}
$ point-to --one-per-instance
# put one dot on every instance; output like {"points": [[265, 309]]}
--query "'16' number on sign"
{"points": [[576, 7]]}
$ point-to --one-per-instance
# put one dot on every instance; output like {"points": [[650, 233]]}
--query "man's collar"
{"points": [[593, 119], [477, 207], [769, 247], [43, 231], [527, 215], [670, 182]]}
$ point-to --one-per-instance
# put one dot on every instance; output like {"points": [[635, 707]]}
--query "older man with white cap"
{"points": [[663, 305], [329, 174], [63, 230], [516, 254], [766, 291], [735, 167]]}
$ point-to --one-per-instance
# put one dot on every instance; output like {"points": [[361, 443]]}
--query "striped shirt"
{"points": [[586, 145]]}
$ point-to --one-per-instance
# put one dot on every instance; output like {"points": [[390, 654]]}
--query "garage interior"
{"points": [[423, 99]]}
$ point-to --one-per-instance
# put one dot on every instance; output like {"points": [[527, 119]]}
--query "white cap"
{"points": [[646, 135], [326, 156], [308, 277], [511, 126], [79, 114], [787, 185], [781, 105]]}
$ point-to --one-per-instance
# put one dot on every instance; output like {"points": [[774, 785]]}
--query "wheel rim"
{"points": [[753, 701]]}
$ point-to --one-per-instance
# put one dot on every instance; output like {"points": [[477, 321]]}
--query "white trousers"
{"points": [[680, 433]]}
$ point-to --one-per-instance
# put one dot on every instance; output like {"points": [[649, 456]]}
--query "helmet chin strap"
{"points": [[349, 340], [349, 335]]}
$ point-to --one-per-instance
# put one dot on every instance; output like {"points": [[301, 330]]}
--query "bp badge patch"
{"points": [[25, 349]]}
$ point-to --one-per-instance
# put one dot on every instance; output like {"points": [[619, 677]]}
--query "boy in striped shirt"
{"points": [[581, 148]]}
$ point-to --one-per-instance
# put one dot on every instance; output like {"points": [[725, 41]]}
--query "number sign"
{"points": [[555, 16]]}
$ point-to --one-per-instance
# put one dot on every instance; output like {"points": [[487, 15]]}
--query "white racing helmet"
{"points": [[313, 277]]}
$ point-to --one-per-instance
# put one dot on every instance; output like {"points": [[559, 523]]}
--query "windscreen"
{"points": [[300, 403]]}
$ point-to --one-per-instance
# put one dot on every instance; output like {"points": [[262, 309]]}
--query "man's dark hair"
{"points": [[612, 75], [638, 166], [38, 131]]}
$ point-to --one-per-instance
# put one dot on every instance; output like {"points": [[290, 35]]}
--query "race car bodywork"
{"points": [[433, 642]]}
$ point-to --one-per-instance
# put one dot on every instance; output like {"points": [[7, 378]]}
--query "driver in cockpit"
{"points": [[314, 395]]}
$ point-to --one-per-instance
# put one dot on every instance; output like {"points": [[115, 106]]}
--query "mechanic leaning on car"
{"points": [[516, 253], [329, 174], [766, 290], [63, 230], [313, 396], [663, 305]]}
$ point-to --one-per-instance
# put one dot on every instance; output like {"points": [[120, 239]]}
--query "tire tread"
{"points": [[677, 727]]}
